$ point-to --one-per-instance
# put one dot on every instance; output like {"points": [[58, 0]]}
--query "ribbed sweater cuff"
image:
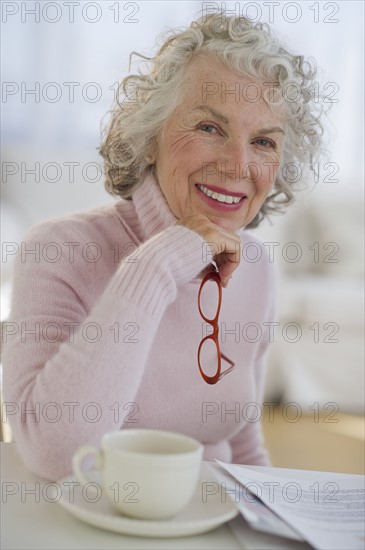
{"points": [[151, 276]]}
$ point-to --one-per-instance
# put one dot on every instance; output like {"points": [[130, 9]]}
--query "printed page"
{"points": [[255, 512], [325, 509]]}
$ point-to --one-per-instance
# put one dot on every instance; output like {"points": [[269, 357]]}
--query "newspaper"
{"points": [[323, 509]]}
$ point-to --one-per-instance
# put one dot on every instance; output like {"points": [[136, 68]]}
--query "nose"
{"points": [[235, 161]]}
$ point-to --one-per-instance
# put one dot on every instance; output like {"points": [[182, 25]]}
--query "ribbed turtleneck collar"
{"points": [[152, 209], [147, 213]]}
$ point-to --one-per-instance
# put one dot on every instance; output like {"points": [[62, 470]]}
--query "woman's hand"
{"points": [[225, 246]]}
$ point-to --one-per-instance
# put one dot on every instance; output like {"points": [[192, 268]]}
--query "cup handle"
{"points": [[79, 456]]}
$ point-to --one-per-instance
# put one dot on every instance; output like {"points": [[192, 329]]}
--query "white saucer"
{"points": [[197, 517]]}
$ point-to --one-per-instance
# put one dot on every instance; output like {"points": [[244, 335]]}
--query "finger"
{"points": [[225, 284], [226, 270]]}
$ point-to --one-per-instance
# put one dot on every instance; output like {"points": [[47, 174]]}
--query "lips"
{"points": [[220, 195], [219, 198], [223, 191]]}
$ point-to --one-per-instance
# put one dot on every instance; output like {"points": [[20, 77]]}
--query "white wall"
{"points": [[83, 52]]}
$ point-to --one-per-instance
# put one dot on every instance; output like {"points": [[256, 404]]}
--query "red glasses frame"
{"points": [[213, 276]]}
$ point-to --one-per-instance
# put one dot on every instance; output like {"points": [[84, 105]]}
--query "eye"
{"points": [[207, 128], [266, 143]]}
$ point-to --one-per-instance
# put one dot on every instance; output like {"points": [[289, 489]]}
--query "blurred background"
{"points": [[61, 62]]}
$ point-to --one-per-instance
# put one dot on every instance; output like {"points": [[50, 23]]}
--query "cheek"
{"points": [[192, 149], [267, 174]]}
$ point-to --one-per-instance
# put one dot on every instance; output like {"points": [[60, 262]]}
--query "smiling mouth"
{"points": [[221, 197]]}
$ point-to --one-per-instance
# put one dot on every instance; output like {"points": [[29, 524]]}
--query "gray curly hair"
{"points": [[146, 101]]}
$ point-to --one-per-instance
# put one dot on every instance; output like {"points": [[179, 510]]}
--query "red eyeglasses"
{"points": [[212, 276]]}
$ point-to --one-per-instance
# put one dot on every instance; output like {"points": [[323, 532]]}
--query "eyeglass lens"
{"points": [[209, 299]]}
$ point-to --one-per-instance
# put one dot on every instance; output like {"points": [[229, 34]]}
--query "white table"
{"points": [[28, 524], [46, 525]]}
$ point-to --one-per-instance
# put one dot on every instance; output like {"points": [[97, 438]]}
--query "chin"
{"points": [[228, 225]]}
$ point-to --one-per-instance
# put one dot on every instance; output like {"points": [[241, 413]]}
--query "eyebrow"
{"points": [[270, 130], [224, 119], [213, 112]]}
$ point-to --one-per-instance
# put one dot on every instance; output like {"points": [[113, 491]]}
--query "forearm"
{"points": [[105, 372]]}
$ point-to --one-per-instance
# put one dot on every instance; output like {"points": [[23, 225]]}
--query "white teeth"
{"points": [[228, 199]]}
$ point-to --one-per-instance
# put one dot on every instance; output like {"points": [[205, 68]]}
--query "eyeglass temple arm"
{"points": [[227, 359]]}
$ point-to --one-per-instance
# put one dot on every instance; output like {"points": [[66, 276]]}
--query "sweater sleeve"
{"points": [[66, 368]]}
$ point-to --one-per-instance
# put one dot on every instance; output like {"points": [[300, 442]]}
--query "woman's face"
{"points": [[219, 152]]}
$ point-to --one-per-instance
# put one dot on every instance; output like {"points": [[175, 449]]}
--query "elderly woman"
{"points": [[109, 333]]}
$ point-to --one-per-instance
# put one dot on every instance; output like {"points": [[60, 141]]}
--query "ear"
{"points": [[152, 153]]}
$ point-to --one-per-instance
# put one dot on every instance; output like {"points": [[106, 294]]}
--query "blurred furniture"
{"points": [[327, 442], [317, 356]]}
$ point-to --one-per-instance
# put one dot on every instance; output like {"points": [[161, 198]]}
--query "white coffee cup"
{"points": [[146, 474]]}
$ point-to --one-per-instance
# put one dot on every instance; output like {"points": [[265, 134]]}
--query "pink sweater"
{"points": [[104, 331]]}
